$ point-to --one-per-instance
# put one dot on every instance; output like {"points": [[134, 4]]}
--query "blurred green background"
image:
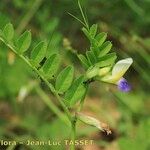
{"points": [[24, 115]]}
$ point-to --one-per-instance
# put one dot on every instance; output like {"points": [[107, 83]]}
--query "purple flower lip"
{"points": [[123, 85]]}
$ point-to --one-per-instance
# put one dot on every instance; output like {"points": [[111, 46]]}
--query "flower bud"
{"points": [[94, 122], [103, 71]]}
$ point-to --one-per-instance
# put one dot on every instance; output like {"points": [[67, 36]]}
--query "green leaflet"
{"points": [[93, 30], [105, 48], [106, 60], [64, 79], [92, 72], [100, 38], [94, 47], [75, 92], [91, 57], [84, 61], [51, 66], [85, 31], [23, 42], [38, 53], [8, 32]]}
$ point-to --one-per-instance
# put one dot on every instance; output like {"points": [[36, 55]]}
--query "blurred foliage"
{"points": [[127, 23]]}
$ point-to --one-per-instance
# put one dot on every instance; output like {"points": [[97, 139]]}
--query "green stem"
{"points": [[50, 86], [73, 133], [52, 106], [74, 121]]}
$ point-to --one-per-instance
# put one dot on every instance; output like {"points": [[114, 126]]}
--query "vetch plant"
{"points": [[98, 62]]}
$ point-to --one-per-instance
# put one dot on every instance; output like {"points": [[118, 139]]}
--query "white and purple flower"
{"points": [[116, 76]]}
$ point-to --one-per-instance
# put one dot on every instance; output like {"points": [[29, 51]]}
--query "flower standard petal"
{"points": [[121, 67]]}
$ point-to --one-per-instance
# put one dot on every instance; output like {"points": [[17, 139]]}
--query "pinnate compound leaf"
{"points": [[64, 79], [75, 92], [51, 66], [8, 32], [38, 53], [23, 42], [94, 122]]}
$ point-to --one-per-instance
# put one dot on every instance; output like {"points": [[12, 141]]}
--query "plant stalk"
{"points": [[73, 133], [74, 122]]}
